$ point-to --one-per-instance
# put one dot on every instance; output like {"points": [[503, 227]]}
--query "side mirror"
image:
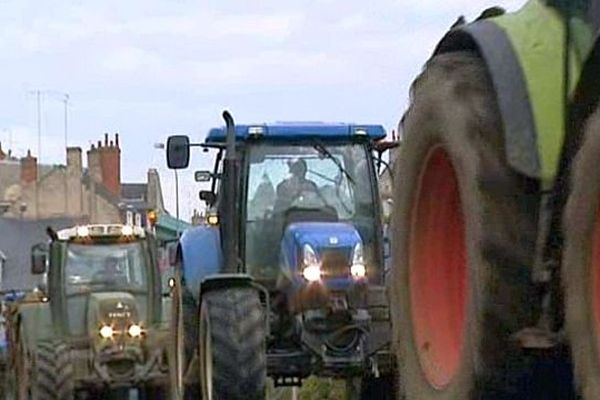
{"points": [[178, 152], [208, 197], [39, 259], [202, 176]]}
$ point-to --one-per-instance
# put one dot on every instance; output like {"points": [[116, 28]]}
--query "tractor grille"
{"points": [[336, 262]]}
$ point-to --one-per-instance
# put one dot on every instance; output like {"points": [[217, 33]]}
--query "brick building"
{"points": [[92, 195]]}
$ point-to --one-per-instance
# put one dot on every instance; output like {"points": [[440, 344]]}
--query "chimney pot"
{"points": [[29, 168], [106, 139], [117, 139], [99, 143]]}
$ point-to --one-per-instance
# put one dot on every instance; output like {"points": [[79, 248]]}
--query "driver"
{"points": [[289, 189], [110, 273]]}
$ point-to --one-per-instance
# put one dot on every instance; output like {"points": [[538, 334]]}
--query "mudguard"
{"points": [[201, 256], [525, 53], [36, 319]]}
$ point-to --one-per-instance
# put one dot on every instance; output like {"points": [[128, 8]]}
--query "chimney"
{"points": [[28, 169], [74, 160], [93, 157], [110, 164], [2, 154]]}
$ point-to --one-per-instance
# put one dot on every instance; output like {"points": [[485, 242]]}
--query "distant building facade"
{"points": [[90, 195]]}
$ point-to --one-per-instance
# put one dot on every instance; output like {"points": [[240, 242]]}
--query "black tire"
{"points": [[232, 345], [176, 350], [464, 229], [580, 263], [53, 376]]}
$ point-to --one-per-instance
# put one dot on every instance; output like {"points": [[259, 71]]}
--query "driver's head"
{"points": [[298, 168], [111, 264]]}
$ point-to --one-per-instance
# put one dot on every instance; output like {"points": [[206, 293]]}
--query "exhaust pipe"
{"points": [[230, 222]]}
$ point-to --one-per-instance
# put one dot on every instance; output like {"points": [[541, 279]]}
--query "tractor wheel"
{"points": [[232, 345], [464, 229], [21, 367], [53, 376], [581, 263], [176, 351]]}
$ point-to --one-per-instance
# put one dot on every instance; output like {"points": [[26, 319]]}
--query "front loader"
{"points": [[496, 229]]}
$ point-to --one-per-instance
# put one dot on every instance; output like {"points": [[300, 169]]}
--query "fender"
{"points": [[36, 319], [201, 256], [226, 281], [524, 53]]}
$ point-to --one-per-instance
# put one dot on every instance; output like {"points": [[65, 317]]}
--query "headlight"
{"points": [[107, 332], [312, 273], [358, 268], [127, 230], [312, 267], [83, 231], [135, 331]]}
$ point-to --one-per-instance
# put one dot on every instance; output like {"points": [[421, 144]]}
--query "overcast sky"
{"points": [[148, 68]]}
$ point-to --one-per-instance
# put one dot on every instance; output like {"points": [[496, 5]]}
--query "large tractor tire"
{"points": [[581, 263], [20, 359], [176, 348], [232, 345], [54, 375], [464, 230]]}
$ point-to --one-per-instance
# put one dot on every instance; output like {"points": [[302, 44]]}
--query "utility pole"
{"points": [[65, 99], [66, 103], [39, 155]]}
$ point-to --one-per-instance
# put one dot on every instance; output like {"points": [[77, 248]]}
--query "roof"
{"points": [[100, 231], [299, 131], [134, 191]]}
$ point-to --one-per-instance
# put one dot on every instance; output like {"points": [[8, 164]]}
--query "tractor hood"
{"points": [[333, 243], [115, 309]]}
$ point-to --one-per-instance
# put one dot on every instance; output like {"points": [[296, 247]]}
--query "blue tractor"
{"points": [[286, 278]]}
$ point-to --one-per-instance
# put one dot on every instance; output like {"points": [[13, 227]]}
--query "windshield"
{"points": [[105, 268], [332, 180]]}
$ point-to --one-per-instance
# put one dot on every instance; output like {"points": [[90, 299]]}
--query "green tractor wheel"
{"points": [[232, 345], [581, 263], [464, 230], [53, 376]]}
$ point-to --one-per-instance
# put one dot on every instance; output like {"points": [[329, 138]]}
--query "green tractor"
{"points": [[496, 228], [97, 328]]}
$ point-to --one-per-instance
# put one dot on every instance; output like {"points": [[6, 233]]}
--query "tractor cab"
{"points": [[104, 276], [308, 198]]}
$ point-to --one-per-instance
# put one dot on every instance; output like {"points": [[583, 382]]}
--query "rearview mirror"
{"points": [[39, 259], [208, 197], [178, 152], [202, 176]]}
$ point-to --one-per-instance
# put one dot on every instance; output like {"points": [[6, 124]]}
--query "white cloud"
{"points": [[149, 68]]}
